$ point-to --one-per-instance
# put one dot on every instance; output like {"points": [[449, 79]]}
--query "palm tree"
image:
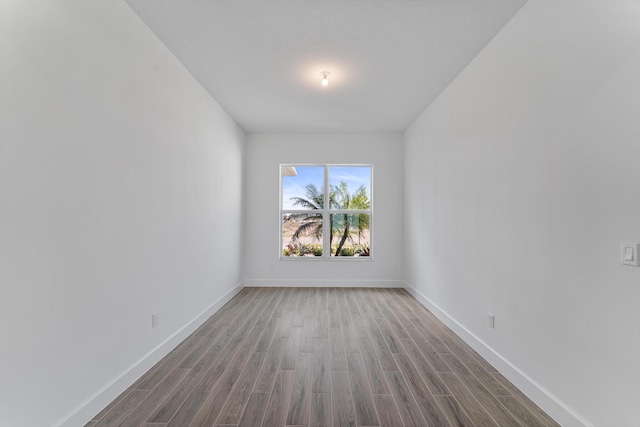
{"points": [[311, 222], [344, 224], [349, 223]]}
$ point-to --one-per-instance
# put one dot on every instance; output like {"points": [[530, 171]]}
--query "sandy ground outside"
{"points": [[289, 226]]}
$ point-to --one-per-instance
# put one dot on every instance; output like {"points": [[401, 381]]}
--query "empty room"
{"points": [[363, 213]]}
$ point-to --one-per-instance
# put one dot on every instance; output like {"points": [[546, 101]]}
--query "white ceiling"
{"points": [[261, 59]]}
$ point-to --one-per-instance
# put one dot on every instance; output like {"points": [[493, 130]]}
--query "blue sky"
{"points": [[294, 186]]}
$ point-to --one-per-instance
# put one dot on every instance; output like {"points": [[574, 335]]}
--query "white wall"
{"points": [[265, 153], [521, 181], [120, 196]]}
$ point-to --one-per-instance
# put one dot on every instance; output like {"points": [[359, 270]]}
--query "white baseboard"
{"points": [[553, 406], [94, 404], [317, 283]]}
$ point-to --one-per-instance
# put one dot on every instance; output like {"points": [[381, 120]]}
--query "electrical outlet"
{"points": [[492, 321], [154, 320]]}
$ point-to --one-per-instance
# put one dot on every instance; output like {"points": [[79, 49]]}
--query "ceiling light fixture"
{"points": [[325, 78]]}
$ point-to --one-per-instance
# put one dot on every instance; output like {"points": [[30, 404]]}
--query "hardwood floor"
{"points": [[316, 357]]}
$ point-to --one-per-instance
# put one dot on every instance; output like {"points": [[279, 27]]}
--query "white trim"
{"points": [[99, 400], [319, 283], [553, 406]]}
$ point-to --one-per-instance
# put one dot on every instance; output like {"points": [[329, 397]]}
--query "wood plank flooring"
{"points": [[322, 357]]}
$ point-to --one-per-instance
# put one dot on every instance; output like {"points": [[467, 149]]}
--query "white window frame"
{"points": [[326, 212]]}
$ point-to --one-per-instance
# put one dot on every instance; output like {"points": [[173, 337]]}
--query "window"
{"points": [[334, 224]]}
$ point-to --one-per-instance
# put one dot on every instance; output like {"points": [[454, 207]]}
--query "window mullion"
{"points": [[326, 226]]}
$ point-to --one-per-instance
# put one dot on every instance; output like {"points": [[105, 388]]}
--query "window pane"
{"points": [[302, 235], [350, 187], [302, 187], [350, 234]]}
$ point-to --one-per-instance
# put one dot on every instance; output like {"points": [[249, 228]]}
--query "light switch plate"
{"points": [[629, 253]]}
